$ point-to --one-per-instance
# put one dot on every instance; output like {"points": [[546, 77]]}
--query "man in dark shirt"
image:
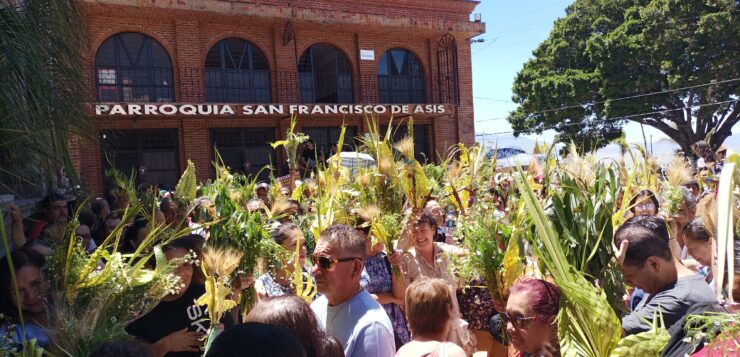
{"points": [[647, 263], [308, 158], [174, 327]]}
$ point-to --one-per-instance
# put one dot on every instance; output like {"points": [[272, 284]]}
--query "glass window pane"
{"points": [[106, 55], [401, 81], [133, 51], [233, 77], [156, 150], [383, 65], [329, 74], [213, 57], [159, 56], [124, 62], [245, 150]]}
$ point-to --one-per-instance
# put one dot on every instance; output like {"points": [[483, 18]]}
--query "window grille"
{"points": [[237, 72], [131, 67]]}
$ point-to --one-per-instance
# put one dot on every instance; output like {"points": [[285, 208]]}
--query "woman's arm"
{"points": [[178, 341], [19, 238], [398, 281], [386, 298]]}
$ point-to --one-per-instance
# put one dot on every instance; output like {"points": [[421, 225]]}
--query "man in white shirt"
{"points": [[344, 308]]}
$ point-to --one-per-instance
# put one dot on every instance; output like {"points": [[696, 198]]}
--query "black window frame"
{"points": [[137, 142], [309, 77], [400, 131], [152, 74], [332, 134], [250, 89], [401, 88], [242, 145]]}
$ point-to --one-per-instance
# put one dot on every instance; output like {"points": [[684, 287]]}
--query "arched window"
{"points": [[237, 72], [131, 67], [400, 79], [447, 60], [324, 76]]}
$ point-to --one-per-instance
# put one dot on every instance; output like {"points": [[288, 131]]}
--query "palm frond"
{"points": [[587, 325], [39, 114]]}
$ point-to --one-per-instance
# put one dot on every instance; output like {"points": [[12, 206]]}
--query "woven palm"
{"points": [[648, 344]]}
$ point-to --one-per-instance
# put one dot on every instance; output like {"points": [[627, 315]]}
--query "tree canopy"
{"points": [[668, 64]]}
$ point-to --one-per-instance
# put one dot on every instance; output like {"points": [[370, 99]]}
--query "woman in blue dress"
{"points": [[27, 264], [384, 287]]}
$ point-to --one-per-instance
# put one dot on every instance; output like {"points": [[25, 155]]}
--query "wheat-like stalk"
{"points": [[678, 172], [220, 262], [370, 213], [279, 207], [406, 147]]}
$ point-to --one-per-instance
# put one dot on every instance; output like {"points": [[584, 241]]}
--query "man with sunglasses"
{"points": [[344, 308]]}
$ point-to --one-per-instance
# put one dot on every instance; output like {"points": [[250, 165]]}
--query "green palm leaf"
{"points": [[587, 325]]}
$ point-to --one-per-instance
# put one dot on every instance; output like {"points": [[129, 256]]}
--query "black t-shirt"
{"points": [[171, 316]]}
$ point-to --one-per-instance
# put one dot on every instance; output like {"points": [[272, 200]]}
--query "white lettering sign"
{"points": [[367, 55], [263, 109]]}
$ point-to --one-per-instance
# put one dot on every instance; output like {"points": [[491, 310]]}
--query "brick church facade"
{"points": [[172, 80]]}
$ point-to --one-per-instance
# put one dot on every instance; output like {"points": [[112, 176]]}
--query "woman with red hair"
{"points": [[530, 316]]}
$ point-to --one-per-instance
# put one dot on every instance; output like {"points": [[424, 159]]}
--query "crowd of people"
{"points": [[371, 301]]}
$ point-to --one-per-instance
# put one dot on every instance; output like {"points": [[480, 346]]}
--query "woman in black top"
{"points": [[175, 326]]}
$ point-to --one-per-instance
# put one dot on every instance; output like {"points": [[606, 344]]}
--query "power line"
{"points": [[617, 118], [527, 13], [713, 82], [523, 28], [495, 100], [538, 24], [491, 119]]}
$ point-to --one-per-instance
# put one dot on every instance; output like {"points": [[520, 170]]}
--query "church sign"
{"points": [[209, 109]]}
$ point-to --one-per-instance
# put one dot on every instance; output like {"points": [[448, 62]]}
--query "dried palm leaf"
{"points": [[678, 172], [406, 147], [219, 261]]}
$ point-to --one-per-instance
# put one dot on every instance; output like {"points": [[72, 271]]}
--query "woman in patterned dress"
{"points": [[277, 282], [384, 287]]}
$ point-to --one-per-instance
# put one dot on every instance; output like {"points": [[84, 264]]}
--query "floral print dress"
{"points": [[378, 281], [272, 287]]}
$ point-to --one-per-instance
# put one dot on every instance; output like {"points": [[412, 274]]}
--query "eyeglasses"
{"points": [[326, 263], [519, 322], [645, 206]]}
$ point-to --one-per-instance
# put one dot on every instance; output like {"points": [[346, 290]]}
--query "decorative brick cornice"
{"points": [[431, 19]]}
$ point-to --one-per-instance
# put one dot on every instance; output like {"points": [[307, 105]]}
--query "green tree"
{"points": [[605, 50], [43, 89]]}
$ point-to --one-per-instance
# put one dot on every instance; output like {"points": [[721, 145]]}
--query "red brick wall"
{"points": [[187, 30]]}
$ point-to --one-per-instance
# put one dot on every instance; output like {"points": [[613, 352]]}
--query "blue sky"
{"points": [[513, 31]]}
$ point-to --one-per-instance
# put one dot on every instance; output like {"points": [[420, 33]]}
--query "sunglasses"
{"points": [[519, 322], [326, 263]]}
